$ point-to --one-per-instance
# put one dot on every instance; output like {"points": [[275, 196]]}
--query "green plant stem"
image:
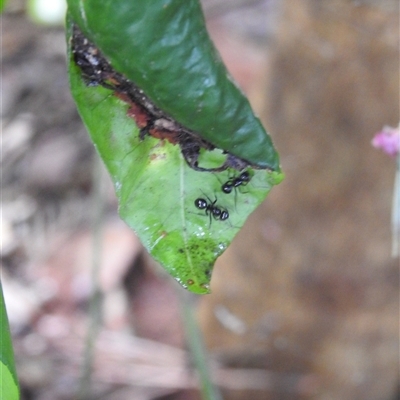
{"points": [[196, 346], [96, 298]]}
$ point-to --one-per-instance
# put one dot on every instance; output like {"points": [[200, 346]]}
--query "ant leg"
{"points": [[211, 202]]}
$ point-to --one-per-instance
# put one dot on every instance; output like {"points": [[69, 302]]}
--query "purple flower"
{"points": [[388, 139]]}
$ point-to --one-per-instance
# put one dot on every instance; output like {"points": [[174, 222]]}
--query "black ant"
{"points": [[218, 213], [242, 180]]}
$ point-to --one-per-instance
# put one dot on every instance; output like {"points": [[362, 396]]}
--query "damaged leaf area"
{"points": [[163, 47], [151, 120], [184, 198]]}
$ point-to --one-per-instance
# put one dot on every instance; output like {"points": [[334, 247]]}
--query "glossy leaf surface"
{"points": [[157, 190], [163, 47]]}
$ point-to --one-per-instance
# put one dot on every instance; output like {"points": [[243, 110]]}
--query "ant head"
{"points": [[201, 204], [245, 177], [227, 187]]}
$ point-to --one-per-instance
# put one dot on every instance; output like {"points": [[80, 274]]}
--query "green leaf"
{"points": [[9, 389], [9, 383], [164, 48], [156, 189]]}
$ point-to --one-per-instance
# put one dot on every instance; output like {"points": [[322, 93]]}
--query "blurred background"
{"points": [[304, 303]]}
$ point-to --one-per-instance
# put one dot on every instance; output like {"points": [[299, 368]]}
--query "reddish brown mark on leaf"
{"points": [[145, 121], [135, 111]]}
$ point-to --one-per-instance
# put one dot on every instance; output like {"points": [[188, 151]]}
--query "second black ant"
{"points": [[232, 183]]}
